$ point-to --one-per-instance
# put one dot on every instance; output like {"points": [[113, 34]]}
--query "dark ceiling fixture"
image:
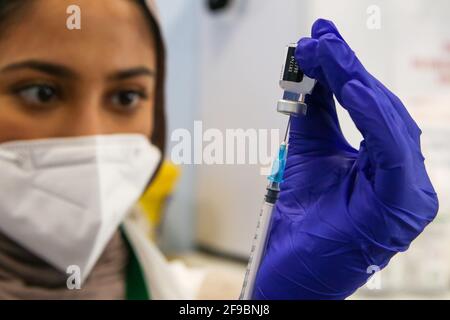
{"points": [[218, 5]]}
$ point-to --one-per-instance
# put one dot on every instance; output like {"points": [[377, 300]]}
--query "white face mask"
{"points": [[64, 198]]}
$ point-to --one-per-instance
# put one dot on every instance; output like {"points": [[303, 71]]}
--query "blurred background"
{"points": [[224, 63]]}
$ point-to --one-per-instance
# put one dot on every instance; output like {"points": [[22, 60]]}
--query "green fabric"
{"points": [[136, 288]]}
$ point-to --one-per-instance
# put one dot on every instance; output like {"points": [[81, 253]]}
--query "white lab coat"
{"points": [[166, 280]]}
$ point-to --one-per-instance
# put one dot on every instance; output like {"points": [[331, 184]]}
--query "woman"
{"points": [[82, 133], [100, 80]]}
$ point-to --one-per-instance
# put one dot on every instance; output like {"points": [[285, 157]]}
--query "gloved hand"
{"points": [[342, 210]]}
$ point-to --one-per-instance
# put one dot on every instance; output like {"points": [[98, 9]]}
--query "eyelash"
{"points": [[21, 91], [56, 93], [115, 100]]}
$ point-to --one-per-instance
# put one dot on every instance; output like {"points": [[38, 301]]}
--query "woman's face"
{"points": [[56, 82]]}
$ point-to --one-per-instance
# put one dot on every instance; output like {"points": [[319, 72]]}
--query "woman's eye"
{"points": [[127, 100], [37, 94]]}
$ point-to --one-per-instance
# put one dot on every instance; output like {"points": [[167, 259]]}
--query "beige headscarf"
{"points": [[25, 276], [159, 131]]}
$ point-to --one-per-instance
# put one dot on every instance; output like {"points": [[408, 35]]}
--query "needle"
{"points": [[287, 131]]}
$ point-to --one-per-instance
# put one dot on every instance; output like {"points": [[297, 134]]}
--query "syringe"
{"points": [[296, 85], [265, 217]]}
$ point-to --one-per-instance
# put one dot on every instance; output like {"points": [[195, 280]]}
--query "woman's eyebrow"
{"points": [[131, 73], [65, 72], [42, 66]]}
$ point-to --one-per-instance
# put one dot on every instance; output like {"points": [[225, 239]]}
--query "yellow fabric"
{"points": [[155, 197]]}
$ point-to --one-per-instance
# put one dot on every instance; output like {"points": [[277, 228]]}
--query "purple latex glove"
{"points": [[343, 210]]}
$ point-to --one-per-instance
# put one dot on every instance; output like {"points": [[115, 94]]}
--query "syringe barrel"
{"points": [[273, 189], [258, 250]]}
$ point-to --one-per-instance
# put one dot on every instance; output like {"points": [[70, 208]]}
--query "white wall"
{"points": [[180, 26], [241, 57]]}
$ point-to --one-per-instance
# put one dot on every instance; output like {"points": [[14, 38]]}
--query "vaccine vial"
{"points": [[295, 84]]}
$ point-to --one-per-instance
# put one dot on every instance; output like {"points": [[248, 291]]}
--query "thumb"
{"points": [[319, 130]]}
